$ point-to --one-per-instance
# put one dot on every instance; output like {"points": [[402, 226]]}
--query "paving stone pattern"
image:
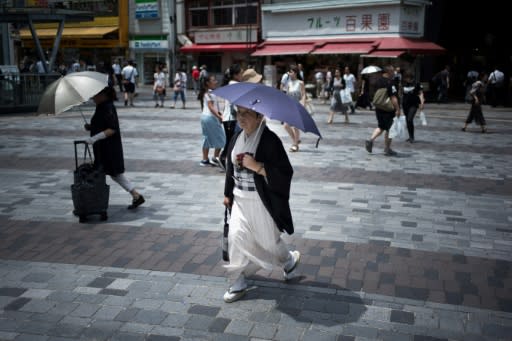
{"points": [[416, 247]]}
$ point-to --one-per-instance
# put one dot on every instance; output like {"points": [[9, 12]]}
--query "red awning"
{"points": [[383, 54], [389, 47], [410, 45], [344, 47], [196, 48], [275, 48]]}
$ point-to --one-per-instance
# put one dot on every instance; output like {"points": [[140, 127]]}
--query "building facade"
{"points": [[218, 33], [152, 36], [101, 40], [317, 34]]}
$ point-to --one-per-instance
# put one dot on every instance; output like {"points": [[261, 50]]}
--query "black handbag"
{"points": [[225, 253]]}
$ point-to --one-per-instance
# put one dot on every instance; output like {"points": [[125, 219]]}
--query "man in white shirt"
{"points": [[350, 83], [40, 66], [117, 73], [129, 72], [319, 78], [495, 87]]}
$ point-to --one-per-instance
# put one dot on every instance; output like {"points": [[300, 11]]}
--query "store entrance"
{"points": [[151, 60]]}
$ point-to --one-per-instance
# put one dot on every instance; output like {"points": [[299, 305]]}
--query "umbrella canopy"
{"points": [[270, 102], [71, 90], [370, 69]]}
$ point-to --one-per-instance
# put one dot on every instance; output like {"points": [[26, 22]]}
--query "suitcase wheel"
{"points": [[82, 219], [103, 216]]}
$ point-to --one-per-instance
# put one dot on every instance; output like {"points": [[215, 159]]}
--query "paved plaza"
{"points": [[416, 247]]}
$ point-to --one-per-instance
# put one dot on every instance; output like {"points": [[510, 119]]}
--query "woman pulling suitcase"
{"points": [[107, 144]]}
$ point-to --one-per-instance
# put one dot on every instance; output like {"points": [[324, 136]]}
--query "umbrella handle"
{"points": [[83, 116]]}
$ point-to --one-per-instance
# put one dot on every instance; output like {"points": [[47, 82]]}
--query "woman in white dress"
{"points": [[159, 86], [295, 88], [257, 189]]}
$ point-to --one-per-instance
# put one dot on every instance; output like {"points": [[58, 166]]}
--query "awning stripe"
{"points": [[283, 49], [384, 54], [70, 32], [196, 48]]}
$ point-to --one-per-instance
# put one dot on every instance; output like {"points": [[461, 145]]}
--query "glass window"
{"points": [[198, 3], [223, 16], [199, 17], [223, 12], [246, 15]]}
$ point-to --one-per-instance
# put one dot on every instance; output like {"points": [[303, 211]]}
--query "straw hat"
{"points": [[251, 76]]}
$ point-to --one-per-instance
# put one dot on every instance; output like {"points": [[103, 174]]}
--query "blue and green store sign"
{"points": [[146, 9]]}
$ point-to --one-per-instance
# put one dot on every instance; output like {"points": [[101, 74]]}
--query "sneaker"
{"points": [[205, 163], [390, 152], [232, 296], [156, 105], [236, 291], [220, 162], [289, 268], [368, 145], [125, 103], [136, 202], [215, 161]]}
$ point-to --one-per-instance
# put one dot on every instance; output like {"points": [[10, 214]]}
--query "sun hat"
{"points": [[251, 76]]}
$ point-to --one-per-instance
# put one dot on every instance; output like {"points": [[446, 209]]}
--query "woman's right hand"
{"points": [[87, 126]]}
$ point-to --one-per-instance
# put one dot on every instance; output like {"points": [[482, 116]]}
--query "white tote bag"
{"points": [[346, 97]]}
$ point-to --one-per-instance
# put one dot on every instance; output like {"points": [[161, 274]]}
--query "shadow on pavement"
{"points": [[312, 304]]}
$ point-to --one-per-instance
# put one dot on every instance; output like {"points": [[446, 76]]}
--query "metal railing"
{"points": [[21, 92]]}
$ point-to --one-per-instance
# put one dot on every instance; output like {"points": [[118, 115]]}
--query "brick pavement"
{"points": [[409, 248]]}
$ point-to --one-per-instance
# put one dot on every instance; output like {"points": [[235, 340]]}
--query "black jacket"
{"points": [[275, 190], [108, 152]]}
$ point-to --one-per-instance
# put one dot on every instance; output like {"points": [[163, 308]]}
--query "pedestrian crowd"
{"points": [[257, 169]]}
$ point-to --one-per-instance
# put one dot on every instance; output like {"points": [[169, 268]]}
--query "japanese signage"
{"points": [[146, 9], [149, 43], [365, 21], [230, 36]]}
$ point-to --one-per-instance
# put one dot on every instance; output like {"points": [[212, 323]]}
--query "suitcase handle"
{"points": [[87, 151]]}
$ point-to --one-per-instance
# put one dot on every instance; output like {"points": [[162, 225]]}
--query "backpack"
{"points": [[382, 101]]}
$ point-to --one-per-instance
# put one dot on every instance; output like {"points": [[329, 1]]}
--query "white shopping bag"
{"points": [[423, 118], [397, 130], [346, 97]]}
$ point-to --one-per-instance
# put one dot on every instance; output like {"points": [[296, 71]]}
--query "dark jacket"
{"points": [[275, 190], [108, 152]]}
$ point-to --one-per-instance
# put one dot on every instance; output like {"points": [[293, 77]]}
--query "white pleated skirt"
{"points": [[254, 241]]}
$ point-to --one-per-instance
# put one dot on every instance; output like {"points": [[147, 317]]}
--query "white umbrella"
{"points": [[370, 69], [71, 90]]}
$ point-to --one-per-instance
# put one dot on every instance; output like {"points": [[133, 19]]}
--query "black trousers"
{"points": [[410, 113], [229, 129]]}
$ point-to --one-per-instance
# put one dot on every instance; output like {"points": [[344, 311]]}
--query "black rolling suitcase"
{"points": [[89, 191]]}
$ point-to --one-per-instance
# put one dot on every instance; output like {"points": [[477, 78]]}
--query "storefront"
{"points": [[343, 34], [218, 49], [149, 52], [220, 33], [94, 41]]}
